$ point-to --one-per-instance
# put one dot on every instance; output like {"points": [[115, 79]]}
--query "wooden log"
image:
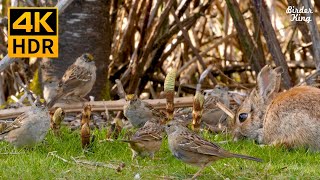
{"points": [[100, 106]]}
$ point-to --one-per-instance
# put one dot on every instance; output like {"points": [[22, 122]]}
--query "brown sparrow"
{"points": [[147, 140], [192, 149], [138, 112], [27, 129], [78, 79]]}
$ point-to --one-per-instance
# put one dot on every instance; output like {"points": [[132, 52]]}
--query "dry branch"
{"points": [[118, 168], [195, 50], [99, 106], [272, 41], [245, 41], [315, 36]]}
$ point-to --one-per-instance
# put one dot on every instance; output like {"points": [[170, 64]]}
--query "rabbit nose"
{"points": [[257, 142], [237, 136]]}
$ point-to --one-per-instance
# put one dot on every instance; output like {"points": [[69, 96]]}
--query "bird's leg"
{"points": [[83, 99], [80, 99], [154, 158], [198, 173]]}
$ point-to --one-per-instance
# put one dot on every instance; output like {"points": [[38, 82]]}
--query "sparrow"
{"points": [[138, 112], [212, 115], [147, 140], [27, 129], [192, 149], [78, 79]]}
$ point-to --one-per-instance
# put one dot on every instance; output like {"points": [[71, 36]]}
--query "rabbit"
{"points": [[290, 119]]}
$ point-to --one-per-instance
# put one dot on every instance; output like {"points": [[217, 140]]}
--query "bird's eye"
{"points": [[168, 125], [243, 116], [86, 58]]}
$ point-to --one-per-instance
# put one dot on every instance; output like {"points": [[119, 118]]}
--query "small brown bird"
{"points": [[147, 140], [78, 79], [27, 129], [85, 126], [139, 112], [192, 149], [56, 120], [212, 115]]}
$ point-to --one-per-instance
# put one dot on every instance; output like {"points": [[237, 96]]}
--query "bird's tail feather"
{"points": [[247, 157], [54, 100], [127, 141]]}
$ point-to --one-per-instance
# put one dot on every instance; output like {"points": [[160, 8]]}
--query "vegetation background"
{"points": [[138, 42]]}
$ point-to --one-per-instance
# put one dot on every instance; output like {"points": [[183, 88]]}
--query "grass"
{"points": [[37, 163]]}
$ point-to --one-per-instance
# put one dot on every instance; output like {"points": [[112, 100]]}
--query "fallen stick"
{"points": [[118, 168], [53, 153], [99, 106]]}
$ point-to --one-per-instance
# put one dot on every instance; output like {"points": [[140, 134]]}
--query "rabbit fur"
{"points": [[290, 119]]}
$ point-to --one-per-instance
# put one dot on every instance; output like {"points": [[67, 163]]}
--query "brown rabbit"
{"points": [[290, 118]]}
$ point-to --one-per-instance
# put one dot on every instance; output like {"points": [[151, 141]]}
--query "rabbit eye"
{"points": [[243, 117]]}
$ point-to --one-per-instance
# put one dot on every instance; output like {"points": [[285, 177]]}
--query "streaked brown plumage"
{"points": [[78, 79], [27, 129], [147, 140], [192, 149]]}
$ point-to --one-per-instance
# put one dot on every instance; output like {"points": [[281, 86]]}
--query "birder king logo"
{"points": [[33, 32], [299, 14]]}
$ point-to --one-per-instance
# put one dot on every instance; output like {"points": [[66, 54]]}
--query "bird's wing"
{"points": [[193, 143], [15, 124], [148, 133], [156, 112], [75, 76]]}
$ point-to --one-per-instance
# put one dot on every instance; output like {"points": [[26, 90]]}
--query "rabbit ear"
{"points": [[277, 75], [269, 81], [254, 97]]}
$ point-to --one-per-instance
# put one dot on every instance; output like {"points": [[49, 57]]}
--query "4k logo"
{"points": [[33, 32]]}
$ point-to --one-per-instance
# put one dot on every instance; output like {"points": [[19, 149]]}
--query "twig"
{"points": [[195, 51], [153, 13], [315, 36], [121, 92], [222, 40], [53, 153], [225, 110], [26, 90], [62, 5], [99, 164], [218, 173]]}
